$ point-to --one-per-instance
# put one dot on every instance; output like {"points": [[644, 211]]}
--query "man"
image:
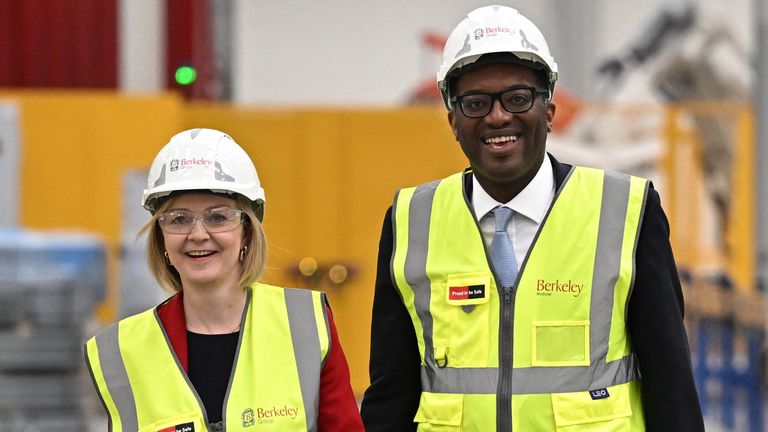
{"points": [[524, 294]]}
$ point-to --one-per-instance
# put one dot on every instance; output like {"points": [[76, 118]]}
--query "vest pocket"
{"points": [[190, 422], [440, 412], [560, 343], [466, 323], [603, 410]]}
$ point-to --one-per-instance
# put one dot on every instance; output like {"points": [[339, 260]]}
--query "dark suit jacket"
{"points": [[655, 321]]}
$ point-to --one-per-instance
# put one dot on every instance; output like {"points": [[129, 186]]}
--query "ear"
{"points": [[551, 108], [451, 117]]}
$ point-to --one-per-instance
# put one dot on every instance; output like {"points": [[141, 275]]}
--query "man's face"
{"points": [[505, 150]]}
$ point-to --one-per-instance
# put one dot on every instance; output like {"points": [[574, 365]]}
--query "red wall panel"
{"points": [[51, 43], [9, 41]]}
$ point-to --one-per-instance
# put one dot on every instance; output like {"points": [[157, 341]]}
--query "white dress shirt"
{"points": [[530, 207]]}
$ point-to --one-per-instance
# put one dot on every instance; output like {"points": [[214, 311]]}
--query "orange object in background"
{"points": [[568, 108]]}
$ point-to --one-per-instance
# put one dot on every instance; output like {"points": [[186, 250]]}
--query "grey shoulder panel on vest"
{"points": [[306, 347], [116, 376]]}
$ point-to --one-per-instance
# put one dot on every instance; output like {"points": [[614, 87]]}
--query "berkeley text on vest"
{"points": [[268, 415], [548, 287]]}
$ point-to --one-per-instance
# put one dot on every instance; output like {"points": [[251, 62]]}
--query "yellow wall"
{"points": [[75, 147], [329, 176]]}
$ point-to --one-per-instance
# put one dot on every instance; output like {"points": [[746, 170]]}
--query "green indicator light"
{"points": [[186, 75]]}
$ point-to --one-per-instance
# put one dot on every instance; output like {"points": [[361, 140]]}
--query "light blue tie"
{"points": [[502, 251]]}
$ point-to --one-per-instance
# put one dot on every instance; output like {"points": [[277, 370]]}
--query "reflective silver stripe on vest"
{"points": [[116, 377], [529, 380], [419, 212], [613, 213], [306, 348], [532, 380]]}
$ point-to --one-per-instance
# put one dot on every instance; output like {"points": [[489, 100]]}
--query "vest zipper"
{"points": [[504, 396]]}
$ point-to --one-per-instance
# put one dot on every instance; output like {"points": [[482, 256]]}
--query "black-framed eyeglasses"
{"points": [[215, 220], [517, 100]]}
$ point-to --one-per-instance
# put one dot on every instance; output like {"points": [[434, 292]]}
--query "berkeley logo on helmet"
{"points": [[492, 31], [177, 164]]}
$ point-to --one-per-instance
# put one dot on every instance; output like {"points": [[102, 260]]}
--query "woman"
{"points": [[225, 353]]}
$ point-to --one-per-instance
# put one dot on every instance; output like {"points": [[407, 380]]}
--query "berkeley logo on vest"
{"points": [[248, 416], [185, 427], [547, 288], [260, 415]]}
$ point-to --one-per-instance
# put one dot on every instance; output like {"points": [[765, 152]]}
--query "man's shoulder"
{"points": [[463, 177], [467, 173]]}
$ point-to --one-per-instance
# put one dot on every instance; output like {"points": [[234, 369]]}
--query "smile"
{"points": [[502, 139], [197, 254]]}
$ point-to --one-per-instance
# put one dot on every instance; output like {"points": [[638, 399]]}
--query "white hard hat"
{"points": [[494, 29], [203, 159]]}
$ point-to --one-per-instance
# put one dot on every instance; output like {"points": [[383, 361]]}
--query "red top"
{"points": [[338, 408]]}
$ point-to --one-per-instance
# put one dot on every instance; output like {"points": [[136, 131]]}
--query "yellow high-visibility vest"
{"points": [[550, 353], [275, 383]]}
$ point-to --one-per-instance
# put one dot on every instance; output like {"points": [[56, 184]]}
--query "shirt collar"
{"points": [[532, 202]]}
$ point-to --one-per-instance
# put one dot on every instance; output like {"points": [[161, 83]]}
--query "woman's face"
{"points": [[204, 259]]}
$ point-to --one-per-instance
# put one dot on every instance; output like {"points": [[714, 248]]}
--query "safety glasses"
{"points": [[215, 220]]}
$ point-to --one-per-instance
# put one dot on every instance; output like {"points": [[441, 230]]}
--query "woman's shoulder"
{"points": [[262, 288]]}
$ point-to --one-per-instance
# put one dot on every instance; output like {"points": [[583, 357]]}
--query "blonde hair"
{"points": [[254, 258]]}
